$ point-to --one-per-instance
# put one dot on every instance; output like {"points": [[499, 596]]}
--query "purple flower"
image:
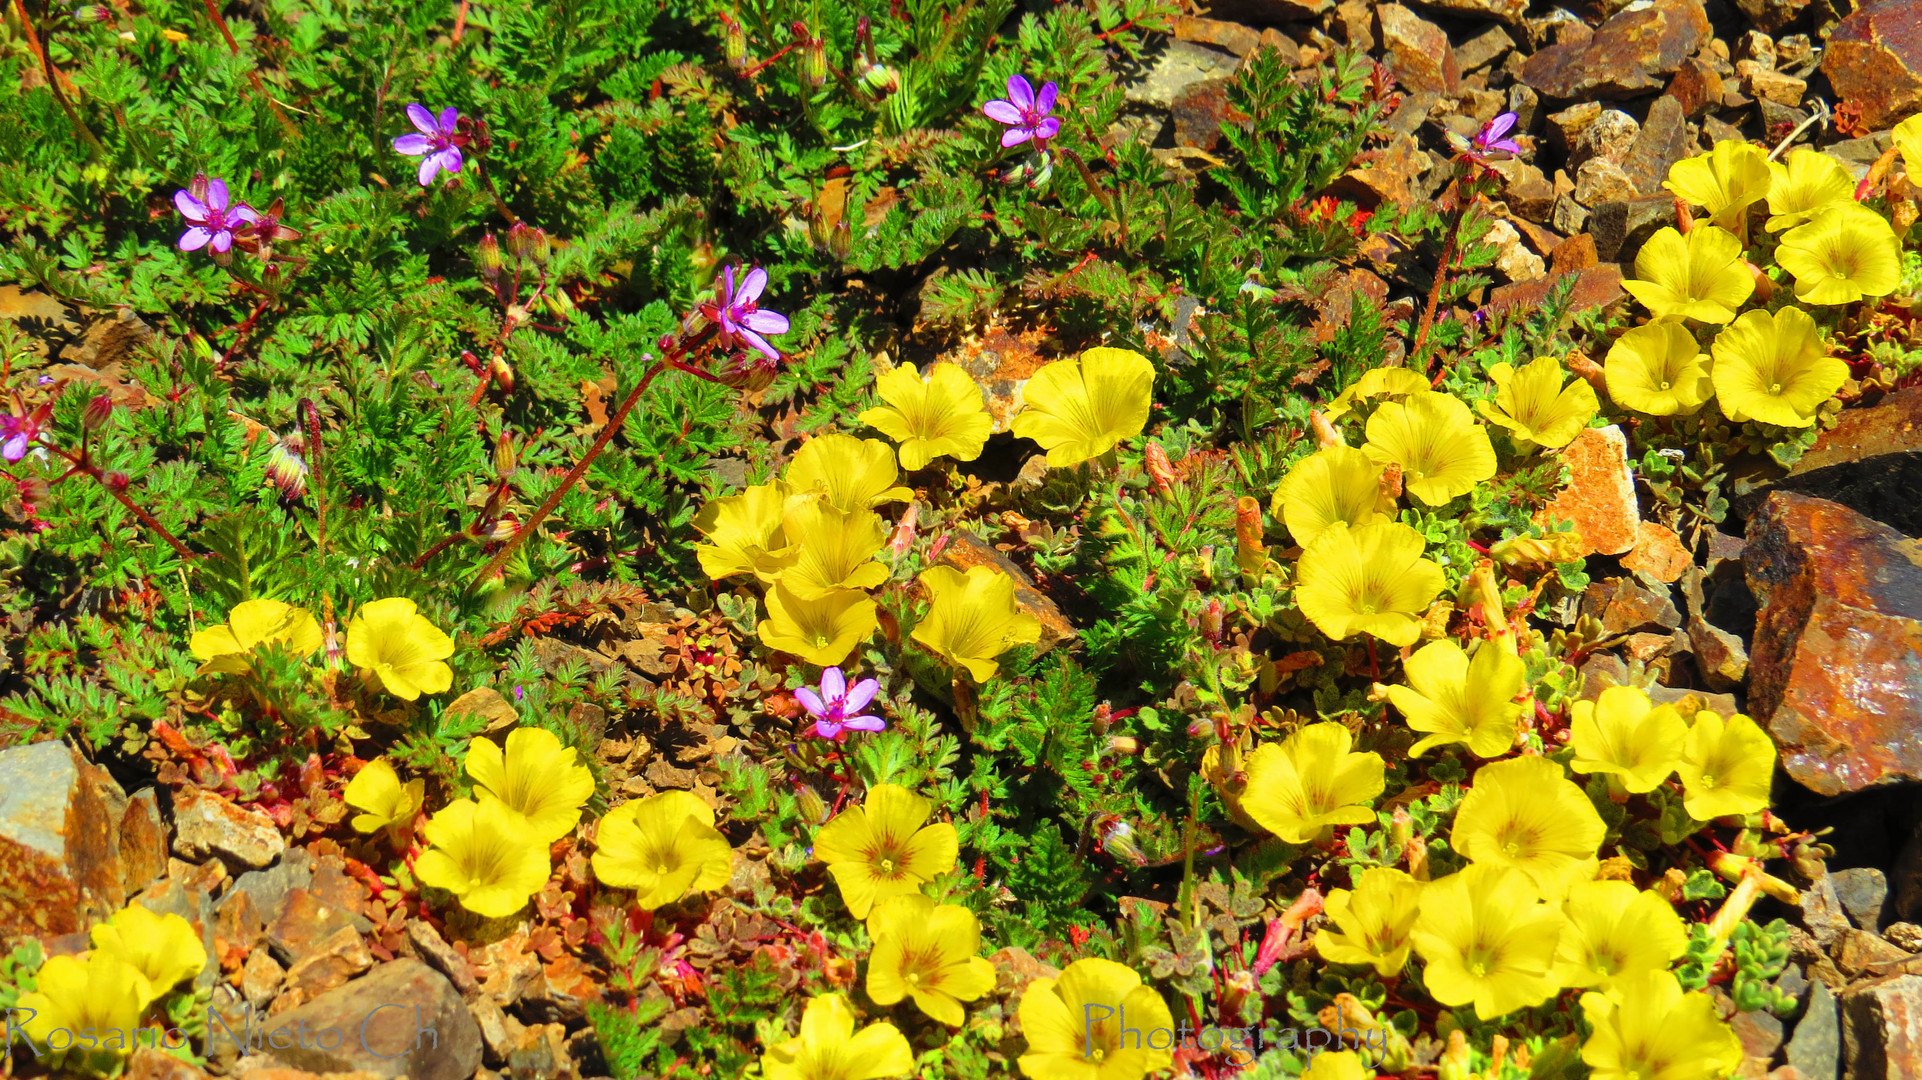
{"points": [[204, 204], [1489, 138], [17, 432], [1025, 112], [830, 707], [739, 316], [439, 140]]}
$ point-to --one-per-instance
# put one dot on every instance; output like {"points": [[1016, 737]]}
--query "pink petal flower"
{"points": [[195, 238], [862, 693], [190, 208], [1002, 112], [1016, 136], [751, 287], [811, 701], [834, 685], [767, 322], [1021, 92], [1044, 101], [422, 120], [414, 145]]}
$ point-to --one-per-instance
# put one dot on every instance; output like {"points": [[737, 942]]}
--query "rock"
{"points": [[1663, 141], [148, 1063], [1269, 12], [401, 1019], [1600, 180], [1836, 665], [1199, 112], [1418, 50], [1815, 1049], [1905, 936], [1774, 86], [1779, 121], [268, 889], [1760, 1032], [1623, 226], [1526, 105], [1658, 552], [1528, 193], [507, 969], [1771, 15], [1720, 657], [333, 960], [1882, 1033], [1822, 911], [260, 978], [1594, 287], [1483, 49], [1874, 60], [1600, 496], [1756, 47], [1609, 138], [1871, 461], [1856, 951], [1864, 892], [1624, 606], [1357, 22], [1794, 52], [1575, 254], [1412, 113], [1174, 70], [1696, 86], [1508, 11], [1805, 951], [428, 945], [60, 868], [1232, 37], [1015, 968], [1392, 174], [143, 842], [1567, 128], [1512, 258], [307, 924], [1794, 984], [1568, 216], [207, 823], [1626, 57]]}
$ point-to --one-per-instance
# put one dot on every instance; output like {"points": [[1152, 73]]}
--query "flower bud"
{"points": [[33, 490], [504, 529], [814, 809], [487, 256], [1159, 467], [1211, 621], [881, 79], [560, 305], [117, 480], [814, 62], [540, 246], [93, 14], [98, 412], [503, 375], [505, 459], [733, 43], [1454, 1060], [519, 242], [1250, 554], [1325, 433], [287, 465]]}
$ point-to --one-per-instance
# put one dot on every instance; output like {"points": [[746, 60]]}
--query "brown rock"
{"points": [[1418, 50], [428, 945], [143, 842], [401, 1019], [147, 1063], [306, 926], [1567, 129], [1609, 137], [1856, 951], [1483, 49], [964, 550], [1199, 110], [1015, 968], [1696, 87], [334, 959], [1874, 61], [1391, 174], [1625, 607], [1276, 41], [260, 978], [1871, 461], [1001, 362], [1622, 227], [1600, 496], [1601, 180], [207, 823], [507, 969], [60, 868], [1658, 552], [1594, 287], [1234, 37], [1528, 193], [1626, 57], [1719, 655], [1775, 86], [1771, 15], [1357, 21], [1663, 141], [1512, 257], [1836, 666], [1578, 253], [1882, 1029]]}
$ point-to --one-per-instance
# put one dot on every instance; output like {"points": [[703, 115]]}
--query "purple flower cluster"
{"points": [[211, 216], [438, 144], [1025, 113], [833, 708]]}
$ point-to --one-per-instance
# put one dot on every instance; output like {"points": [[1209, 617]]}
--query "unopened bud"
{"points": [[1454, 1060], [881, 79], [814, 62], [117, 480], [540, 246], [560, 305], [503, 375], [505, 459], [520, 241], [814, 809], [93, 13], [98, 412], [1391, 481], [734, 43], [1250, 554], [1684, 218], [287, 465], [506, 528], [33, 490], [1325, 433], [1212, 621], [1588, 371], [488, 257], [1160, 468]]}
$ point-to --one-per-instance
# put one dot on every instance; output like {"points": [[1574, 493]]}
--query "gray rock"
{"points": [[1182, 65], [1822, 911], [207, 823], [1864, 893], [1882, 1030], [402, 1019], [60, 869], [1815, 1048], [1791, 982], [1621, 228], [1663, 141], [269, 888], [1760, 1032]]}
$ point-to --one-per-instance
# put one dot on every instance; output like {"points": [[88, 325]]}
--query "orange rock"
{"points": [[1658, 553], [1600, 496]]}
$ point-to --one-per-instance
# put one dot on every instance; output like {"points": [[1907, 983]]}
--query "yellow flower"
{"points": [[393, 640], [1622, 734], [663, 847], [537, 779], [1555, 547], [1453, 699], [1647, 1028], [835, 549], [1338, 484], [1313, 781], [1524, 814], [251, 624], [1810, 183], [163, 948], [1724, 181], [828, 1047], [102, 993], [939, 414], [1907, 138], [821, 630], [1373, 922], [1657, 369], [884, 848], [1702, 276], [384, 802], [1434, 438], [1374, 383], [746, 533], [1094, 1022], [927, 951], [1079, 409], [1726, 767], [1487, 939], [1370, 580], [485, 855], [973, 618], [1772, 368], [1535, 407], [1337, 1065], [1846, 253], [857, 474], [1615, 932]]}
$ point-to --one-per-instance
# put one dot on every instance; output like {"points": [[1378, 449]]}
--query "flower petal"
{"points": [[414, 145], [429, 165], [858, 697], [190, 208], [1015, 136], [1048, 128], [1021, 92], [834, 685], [222, 241], [1002, 111], [422, 120], [217, 194], [766, 322], [1044, 101], [759, 344], [449, 118], [195, 238], [812, 702], [751, 286], [450, 159]]}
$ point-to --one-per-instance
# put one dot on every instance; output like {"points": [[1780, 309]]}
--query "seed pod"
{"points": [[814, 62], [814, 809], [488, 257], [734, 43]]}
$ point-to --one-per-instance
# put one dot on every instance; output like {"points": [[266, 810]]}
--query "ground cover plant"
{"points": [[555, 472]]}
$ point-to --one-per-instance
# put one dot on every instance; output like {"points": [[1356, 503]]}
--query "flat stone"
{"points": [[305, 925], [1775, 86], [1882, 1033], [1658, 552], [1418, 50], [268, 889], [143, 842], [1483, 49], [60, 869], [1815, 1048], [1836, 665], [1720, 657], [401, 1019], [1513, 258], [1663, 141], [1696, 87], [426, 943], [1199, 112], [1600, 180], [1600, 496], [1183, 63], [1857, 951], [964, 551], [1228, 36], [1874, 60], [1627, 57], [260, 978], [1822, 911], [1760, 1032], [1527, 192], [1624, 606], [207, 823], [1870, 462], [1621, 227], [332, 961], [1864, 892]]}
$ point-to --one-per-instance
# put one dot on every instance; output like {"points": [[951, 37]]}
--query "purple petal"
{"points": [[217, 194], [15, 448], [760, 344], [1015, 136], [414, 145], [827, 729], [195, 238], [450, 159], [243, 212], [858, 697], [767, 322], [727, 290], [834, 685], [223, 240], [1002, 112], [1509, 145], [449, 121], [1499, 126], [190, 208], [1020, 92], [811, 701], [1048, 128], [422, 120], [751, 286], [1044, 101], [429, 165], [865, 723]]}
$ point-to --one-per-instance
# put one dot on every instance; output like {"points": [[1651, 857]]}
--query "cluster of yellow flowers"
{"points": [[92, 1008], [388, 640], [1768, 366]]}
